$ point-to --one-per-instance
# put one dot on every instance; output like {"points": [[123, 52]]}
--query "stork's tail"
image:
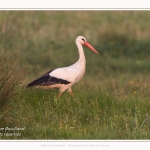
{"points": [[40, 81], [30, 85]]}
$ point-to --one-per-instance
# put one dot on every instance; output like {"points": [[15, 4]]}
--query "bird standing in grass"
{"points": [[64, 78]]}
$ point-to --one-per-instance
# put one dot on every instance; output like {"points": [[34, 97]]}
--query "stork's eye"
{"points": [[83, 40]]}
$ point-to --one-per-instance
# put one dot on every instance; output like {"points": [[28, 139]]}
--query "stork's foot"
{"points": [[70, 92], [59, 95]]}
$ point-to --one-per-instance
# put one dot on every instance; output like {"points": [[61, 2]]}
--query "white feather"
{"points": [[71, 74]]}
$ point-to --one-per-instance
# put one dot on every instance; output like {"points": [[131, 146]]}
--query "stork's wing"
{"points": [[47, 79], [69, 74]]}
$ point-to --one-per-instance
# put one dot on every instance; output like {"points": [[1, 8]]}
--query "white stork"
{"points": [[64, 78]]}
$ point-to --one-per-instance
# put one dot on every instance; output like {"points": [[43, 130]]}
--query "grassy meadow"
{"points": [[112, 101]]}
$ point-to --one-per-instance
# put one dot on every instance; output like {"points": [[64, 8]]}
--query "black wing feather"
{"points": [[47, 80]]}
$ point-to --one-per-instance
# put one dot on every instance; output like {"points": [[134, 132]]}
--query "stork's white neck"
{"points": [[81, 63], [81, 52]]}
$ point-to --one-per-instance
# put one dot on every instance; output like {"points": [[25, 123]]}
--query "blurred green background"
{"points": [[46, 39]]}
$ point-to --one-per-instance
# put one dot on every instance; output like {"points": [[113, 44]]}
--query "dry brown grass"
{"points": [[9, 81]]}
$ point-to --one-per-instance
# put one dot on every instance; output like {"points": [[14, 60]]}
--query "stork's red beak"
{"points": [[90, 47]]}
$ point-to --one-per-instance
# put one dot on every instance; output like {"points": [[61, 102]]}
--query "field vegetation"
{"points": [[112, 101]]}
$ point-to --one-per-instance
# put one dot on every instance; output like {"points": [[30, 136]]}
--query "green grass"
{"points": [[94, 113], [111, 101]]}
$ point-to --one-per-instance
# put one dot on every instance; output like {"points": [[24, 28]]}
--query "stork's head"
{"points": [[82, 40]]}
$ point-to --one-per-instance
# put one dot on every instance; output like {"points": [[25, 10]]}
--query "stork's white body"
{"points": [[64, 78]]}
